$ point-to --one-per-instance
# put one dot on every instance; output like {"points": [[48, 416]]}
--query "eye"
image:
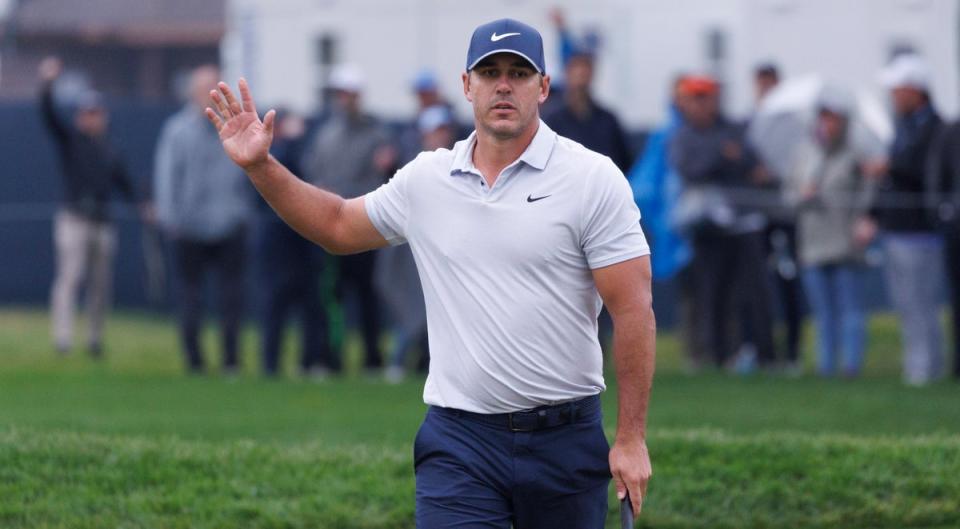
{"points": [[520, 74], [489, 73]]}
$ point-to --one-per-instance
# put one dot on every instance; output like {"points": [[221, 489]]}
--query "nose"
{"points": [[503, 84]]}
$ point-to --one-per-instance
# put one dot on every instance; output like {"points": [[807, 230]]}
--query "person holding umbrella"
{"points": [[832, 198]]}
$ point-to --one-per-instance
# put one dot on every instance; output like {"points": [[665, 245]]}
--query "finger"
{"points": [[268, 121], [246, 98], [637, 502], [214, 118], [221, 105], [636, 496], [232, 102]]}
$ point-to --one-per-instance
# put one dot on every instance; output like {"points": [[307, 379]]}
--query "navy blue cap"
{"points": [[506, 36]]}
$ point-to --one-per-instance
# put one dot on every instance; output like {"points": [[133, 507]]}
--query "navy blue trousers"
{"points": [[475, 474]]}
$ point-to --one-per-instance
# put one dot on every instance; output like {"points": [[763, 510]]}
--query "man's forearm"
{"points": [[309, 210], [634, 351]]}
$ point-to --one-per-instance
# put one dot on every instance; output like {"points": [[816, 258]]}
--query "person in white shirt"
{"points": [[518, 234]]}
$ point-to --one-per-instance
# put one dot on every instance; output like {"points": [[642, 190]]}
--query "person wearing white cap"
{"points": [[351, 154], [913, 249], [832, 198], [519, 236]]}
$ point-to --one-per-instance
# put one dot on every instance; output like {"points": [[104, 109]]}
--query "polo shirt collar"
{"points": [[536, 154]]}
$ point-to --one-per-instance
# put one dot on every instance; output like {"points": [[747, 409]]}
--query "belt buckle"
{"points": [[540, 423], [516, 428]]}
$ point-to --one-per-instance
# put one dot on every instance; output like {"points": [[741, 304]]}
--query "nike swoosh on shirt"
{"points": [[530, 198], [495, 37]]}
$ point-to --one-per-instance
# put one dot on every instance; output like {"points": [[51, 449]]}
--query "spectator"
{"points": [[289, 270], [427, 92], [656, 186], [710, 155], [580, 117], [780, 239], [203, 205], [947, 201], [351, 155], [84, 237], [913, 249], [833, 199], [397, 277]]}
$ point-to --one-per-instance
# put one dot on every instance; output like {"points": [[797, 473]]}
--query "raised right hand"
{"points": [[245, 138], [50, 68]]}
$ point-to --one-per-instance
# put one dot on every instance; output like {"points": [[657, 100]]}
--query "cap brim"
{"points": [[502, 50]]}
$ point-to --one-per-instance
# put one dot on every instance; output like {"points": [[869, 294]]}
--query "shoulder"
{"points": [[179, 121], [428, 163], [595, 168]]}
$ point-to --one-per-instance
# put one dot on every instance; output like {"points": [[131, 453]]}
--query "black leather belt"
{"points": [[535, 419]]}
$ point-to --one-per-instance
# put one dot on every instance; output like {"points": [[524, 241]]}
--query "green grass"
{"points": [[131, 442]]}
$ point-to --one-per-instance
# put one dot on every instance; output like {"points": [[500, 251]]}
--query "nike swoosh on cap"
{"points": [[495, 37]]}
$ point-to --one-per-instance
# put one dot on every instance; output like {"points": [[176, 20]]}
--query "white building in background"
{"points": [[286, 47]]}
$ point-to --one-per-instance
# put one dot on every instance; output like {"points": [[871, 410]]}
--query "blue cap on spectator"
{"points": [[90, 100], [425, 81], [506, 36], [433, 118]]}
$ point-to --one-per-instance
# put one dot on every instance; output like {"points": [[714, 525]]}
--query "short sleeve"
{"points": [[610, 219], [388, 206]]}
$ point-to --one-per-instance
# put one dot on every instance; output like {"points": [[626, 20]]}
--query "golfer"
{"points": [[518, 234]]}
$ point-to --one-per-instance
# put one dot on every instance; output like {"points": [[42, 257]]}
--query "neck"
{"points": [[492, 153]]}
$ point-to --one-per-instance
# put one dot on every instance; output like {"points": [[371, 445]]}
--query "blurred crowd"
{"points": [[753, 221]]}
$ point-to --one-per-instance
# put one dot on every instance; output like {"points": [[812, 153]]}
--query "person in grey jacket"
{"points": [[203, 206], [351, 154], [833, 199]]}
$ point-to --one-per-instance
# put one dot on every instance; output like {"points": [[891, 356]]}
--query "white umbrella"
{"points": [[785, 119]]}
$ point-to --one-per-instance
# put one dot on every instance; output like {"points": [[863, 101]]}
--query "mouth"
{"points": [[504, 106]]}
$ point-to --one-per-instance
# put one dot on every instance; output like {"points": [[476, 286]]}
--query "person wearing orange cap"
{"points": [[712, 158]]}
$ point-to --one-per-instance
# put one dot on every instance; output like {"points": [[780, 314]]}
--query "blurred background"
{"points": [[797, 163]]}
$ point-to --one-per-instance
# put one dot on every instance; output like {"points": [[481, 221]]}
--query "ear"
{"points": [[544, 88], [466, 86]]}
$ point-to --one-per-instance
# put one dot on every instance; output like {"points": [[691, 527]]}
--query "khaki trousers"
{"points": [[84, 253]]}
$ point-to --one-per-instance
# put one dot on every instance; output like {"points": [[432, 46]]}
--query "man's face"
{"points": [[762, 85], [701, 109], [92, 121], [579, 73], [506, 93], [831, 125], [427, 98], [348, 101], [202, 80], [906, 99]]}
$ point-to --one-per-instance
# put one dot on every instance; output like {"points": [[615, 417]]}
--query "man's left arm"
{"points": [[626, 291]]}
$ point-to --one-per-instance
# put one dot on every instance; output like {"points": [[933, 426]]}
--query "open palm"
{"points": [[246, 139]]}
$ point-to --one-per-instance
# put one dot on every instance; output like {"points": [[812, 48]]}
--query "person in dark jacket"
{"points": [[289, 273], [84, 236], [913, 249], [711, 157], [945, 196], [580, 117]]}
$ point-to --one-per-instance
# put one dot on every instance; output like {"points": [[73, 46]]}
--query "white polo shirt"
{"points": [[506, 271]]}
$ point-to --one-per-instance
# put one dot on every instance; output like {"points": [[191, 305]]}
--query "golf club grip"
{"points": [[626, 513]]}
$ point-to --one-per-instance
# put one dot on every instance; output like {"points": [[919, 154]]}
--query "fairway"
{"points": [[131, 442]]}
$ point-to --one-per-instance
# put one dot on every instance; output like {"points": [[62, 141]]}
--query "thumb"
{"points": [[268, 121], [621, 486]]}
